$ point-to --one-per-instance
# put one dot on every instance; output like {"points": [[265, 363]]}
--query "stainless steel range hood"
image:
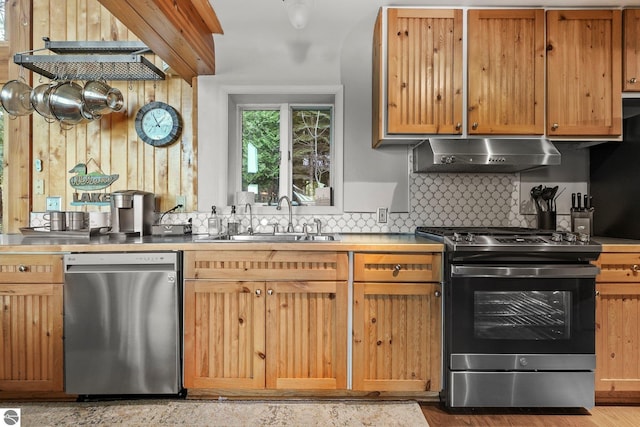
{"points": [[484, 155]]}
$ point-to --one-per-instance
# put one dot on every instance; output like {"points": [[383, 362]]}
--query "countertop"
{"points": [[364, 242], [348, 242], [614, 244]]}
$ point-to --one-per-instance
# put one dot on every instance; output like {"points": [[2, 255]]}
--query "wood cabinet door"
{"points": [[584, 91], [31, 346], [618, 337], [424, 77], [224, 334], [506, 71], [397, 340], [631, 52], [306, 335]]}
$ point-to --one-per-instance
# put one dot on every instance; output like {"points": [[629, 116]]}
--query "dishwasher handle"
{"points": [[117, 268], [121, 261]]}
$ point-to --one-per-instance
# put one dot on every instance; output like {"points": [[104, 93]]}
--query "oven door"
{"points": [[520, 309]]}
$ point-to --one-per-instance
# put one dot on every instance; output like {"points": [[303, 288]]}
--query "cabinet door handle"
{"points": [[635, 268], [554, 126], [474, 126], [258, 292], [270, 292], [633, 80], [458, 126], [437, 294], [22, 268]]}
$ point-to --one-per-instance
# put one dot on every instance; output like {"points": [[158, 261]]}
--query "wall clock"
{"points": [[158, 124]]}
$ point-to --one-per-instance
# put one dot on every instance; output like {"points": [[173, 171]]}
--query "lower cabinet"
{"points": [[31, 319], [397, 322], [618, 327], [286, 333]]}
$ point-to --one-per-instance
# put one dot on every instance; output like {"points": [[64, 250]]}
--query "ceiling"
{"points": [[260, 27]]}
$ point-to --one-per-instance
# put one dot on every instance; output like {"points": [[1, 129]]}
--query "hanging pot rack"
{"points": [[91, 60]]}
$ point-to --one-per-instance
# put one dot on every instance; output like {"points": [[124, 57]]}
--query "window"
{"points": [[272, 141], [296, 162], [2, 20]]}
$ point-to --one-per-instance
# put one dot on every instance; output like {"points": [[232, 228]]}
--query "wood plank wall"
{"points": [[110, 144]]}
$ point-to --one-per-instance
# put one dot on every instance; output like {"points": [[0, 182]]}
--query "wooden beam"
{"points": [[179, 32], [208, 15], [17, 151]]}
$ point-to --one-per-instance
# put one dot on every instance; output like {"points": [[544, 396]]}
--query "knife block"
{"points": [[582, 221]]}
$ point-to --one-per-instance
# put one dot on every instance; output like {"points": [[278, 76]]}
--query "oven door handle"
{"points": [[526, 271]]}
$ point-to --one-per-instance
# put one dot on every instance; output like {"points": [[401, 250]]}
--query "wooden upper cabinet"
{"points": [[631, 51], [424, 73], [506, 71], [584, 90]]}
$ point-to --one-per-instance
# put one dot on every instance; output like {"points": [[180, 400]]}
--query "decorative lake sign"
{"points": [[89, 182]]}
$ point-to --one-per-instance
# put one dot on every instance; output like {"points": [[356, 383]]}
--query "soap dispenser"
{"points": [[233, 225], [214, 223]]}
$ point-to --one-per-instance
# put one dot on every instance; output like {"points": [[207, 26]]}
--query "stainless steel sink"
{"points": [[269, 237]]}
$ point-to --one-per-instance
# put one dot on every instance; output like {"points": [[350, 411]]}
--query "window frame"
{"points": [[220, 151], [286, 143]]}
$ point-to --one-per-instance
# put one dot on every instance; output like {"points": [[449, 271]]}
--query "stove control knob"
{"points": [[456, 237], [556, 237], [570, 237], [583, 237], [470, 238], [523, 361]]}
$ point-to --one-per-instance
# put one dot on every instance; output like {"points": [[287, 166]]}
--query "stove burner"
{"points": [[485, 240]]}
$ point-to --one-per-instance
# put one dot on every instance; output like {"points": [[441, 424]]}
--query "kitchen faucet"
{"points": [[279, 207], [250, 229]]}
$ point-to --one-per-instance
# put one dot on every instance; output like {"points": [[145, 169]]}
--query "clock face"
{"points": [[158, 124]]}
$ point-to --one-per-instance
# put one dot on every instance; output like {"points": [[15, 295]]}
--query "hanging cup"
{"points": [[100, 98]]}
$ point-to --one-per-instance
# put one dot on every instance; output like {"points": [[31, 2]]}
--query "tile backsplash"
{"points": [[435, 200]]}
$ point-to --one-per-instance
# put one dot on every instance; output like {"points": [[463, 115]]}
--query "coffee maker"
{"points": [[132, 212]]}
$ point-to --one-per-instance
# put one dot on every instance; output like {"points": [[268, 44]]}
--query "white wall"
{"points": [[372, 178]]}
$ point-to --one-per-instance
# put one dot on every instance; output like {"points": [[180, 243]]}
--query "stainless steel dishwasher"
{"points": [[122, 323]]}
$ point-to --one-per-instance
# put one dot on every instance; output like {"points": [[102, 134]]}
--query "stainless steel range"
{"points": [[519, 317]]}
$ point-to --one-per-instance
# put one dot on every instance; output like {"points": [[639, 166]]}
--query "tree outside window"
{"points": [[309, 167]]}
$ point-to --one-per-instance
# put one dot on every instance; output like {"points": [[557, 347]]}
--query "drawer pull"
{"points": [[23, 268], [396, 269], [635, 268]]}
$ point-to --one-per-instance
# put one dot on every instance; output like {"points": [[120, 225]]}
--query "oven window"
{"points": [[522, 315]]}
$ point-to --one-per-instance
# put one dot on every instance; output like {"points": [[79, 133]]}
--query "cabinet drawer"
{"points": [[619, 267], [31, 268], [266, 265], [397, 267]]}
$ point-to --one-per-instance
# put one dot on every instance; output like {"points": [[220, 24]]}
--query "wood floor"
{"points": [[600, 416]]}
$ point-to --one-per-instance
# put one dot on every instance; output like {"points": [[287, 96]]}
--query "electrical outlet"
{"points": [[38, 187], [181, 200], [54, 203], [382, 215]]}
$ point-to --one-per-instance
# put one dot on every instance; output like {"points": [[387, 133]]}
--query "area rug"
{"points": [[221, 413]]}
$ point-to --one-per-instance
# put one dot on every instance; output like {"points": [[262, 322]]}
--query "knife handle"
{"points": [[579, 206], [586, 202], [573, 201]]}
